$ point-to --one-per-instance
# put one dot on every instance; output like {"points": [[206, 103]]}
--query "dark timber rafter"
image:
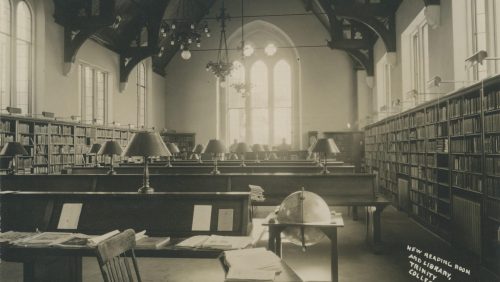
{"points": [[355, 26], [131, 56], [385, 30], [432, 2], [81, 20]]}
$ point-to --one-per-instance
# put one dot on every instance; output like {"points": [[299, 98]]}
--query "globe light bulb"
{"points": [[186, 54], [248, 50], [270, 49]]}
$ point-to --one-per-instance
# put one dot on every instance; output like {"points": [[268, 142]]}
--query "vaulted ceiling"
{"points": [[131, 28]]}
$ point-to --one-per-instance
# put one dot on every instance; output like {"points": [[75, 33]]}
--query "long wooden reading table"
{"points": [[161, 214]]}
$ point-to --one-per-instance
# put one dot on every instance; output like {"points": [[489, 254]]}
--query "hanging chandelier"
{"points": [[243, 88], [222, 67], [183, 31]]}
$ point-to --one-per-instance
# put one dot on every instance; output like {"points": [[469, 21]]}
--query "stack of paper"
{"points": [[96, 240], [13, 236], [256, 193], [239, 275], [256, 264], [253, 259], [216, 242], [44, 239], [152, 242]]}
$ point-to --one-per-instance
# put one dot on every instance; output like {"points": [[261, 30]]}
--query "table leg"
{"points": [[53, 269], [335, 256], [331, 233], [374, 227], [355, 213]]}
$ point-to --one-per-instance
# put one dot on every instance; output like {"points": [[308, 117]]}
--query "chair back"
{"points": [[113, 256]]}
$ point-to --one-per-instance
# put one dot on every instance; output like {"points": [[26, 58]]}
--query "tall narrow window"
{"points": [[5, 39], [100, 96], [236, 106], [88, 101], [23, 57], [94, 85], [479, 35], [282, 102], [141, 95], [259, 103]]}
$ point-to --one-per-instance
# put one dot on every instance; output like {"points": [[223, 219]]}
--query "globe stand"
{"points": [[329, 229]]}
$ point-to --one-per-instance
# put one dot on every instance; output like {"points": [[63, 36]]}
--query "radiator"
{"points": [[466, 222]]}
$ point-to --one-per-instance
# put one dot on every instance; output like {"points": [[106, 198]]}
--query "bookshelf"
{"points": [[55, 145], [185, 141], [444, 149], [351, 146]]}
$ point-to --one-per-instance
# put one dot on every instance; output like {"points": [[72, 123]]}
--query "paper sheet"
{"points": [[201, 217], [70, 215], [225, 220]]}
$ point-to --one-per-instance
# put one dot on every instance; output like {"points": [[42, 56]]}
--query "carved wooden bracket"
{"points": [[364, 58], [384, 27], [81, 19]]}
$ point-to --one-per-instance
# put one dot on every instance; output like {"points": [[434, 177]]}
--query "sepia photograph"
{"points": [[249, 140]]}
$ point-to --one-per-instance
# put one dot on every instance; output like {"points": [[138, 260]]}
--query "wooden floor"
{"points": [[356, 261]]}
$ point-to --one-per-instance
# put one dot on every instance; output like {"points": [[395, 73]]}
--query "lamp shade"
{"points": [[257, 148], [198, 149], [95, 148], [215, 146], [12, 149], [242, 148], [173, 148], [146, 144], [110, 148], [325, 145]]}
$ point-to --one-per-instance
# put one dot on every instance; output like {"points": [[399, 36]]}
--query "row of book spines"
{"points": [[492, 165], [466, 145], [6, 126], [492, 100], [492, 123], [493, 209], [492, 187]]}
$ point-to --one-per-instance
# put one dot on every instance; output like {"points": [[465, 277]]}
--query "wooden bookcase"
{"points": [[185, 141], [351, 146], [448, 152], [54, 145]]}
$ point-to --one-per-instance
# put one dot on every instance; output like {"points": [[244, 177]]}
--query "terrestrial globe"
{"points": [[303, 207]]}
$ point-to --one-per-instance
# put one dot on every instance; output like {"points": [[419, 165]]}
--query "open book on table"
{"points": [[216, 242]]}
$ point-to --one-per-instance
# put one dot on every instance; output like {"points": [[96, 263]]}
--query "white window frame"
{"points": [[82, 91], [142, 85], [270, 63], [415, 61], [12, 75]]}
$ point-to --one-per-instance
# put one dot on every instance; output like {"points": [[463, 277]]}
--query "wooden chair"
{"points": [[113, 256]]}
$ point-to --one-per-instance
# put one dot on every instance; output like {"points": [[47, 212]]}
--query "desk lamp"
{"points": [[268, 151], [13, 149], [93, 151], [174, 150], [325, 146], [197, 151], [242, 148], [215, 147], [110, 148], [257, 148], [146, 144]]}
